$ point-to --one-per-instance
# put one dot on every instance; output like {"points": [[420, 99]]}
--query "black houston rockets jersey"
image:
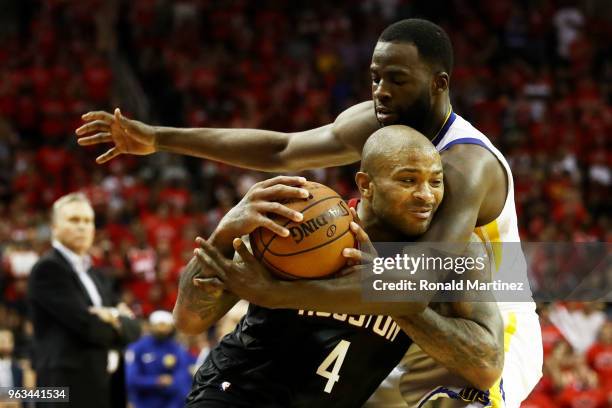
{"points": [[298, 358], [291, 358]]}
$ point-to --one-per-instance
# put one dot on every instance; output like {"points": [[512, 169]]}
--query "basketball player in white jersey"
{"points": [[410, 69]]}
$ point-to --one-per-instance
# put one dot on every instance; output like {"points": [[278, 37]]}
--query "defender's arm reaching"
{"points": [[474, 180], [334, 144]]}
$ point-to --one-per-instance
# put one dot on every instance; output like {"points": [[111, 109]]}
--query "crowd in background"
{"points": [[535, 77]]}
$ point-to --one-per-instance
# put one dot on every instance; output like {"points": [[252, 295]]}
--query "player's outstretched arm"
{"points": [[331, 145]]}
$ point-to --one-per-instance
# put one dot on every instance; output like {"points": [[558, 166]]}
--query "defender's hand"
{"points": [[365, 251], [262, 200], [128, 136], [246, 278]]}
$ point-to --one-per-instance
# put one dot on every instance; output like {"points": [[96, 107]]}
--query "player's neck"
{"points": [[380, 232], [377, 231], [438, 117]]}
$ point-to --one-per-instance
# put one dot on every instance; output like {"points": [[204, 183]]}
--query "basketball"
{"points": [[314, 247]]}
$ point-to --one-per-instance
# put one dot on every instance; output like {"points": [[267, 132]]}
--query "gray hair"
{"points": [[68, 198]]}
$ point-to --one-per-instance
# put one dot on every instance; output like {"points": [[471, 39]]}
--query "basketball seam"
{"points": [[265, 248], [312, 248]]}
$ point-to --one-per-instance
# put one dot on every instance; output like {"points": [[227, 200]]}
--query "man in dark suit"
{"points": [[75, 326]]}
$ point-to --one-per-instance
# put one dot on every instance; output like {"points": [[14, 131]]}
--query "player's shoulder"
{"points": [[470, 156], [466, 146], [475, 169], [363, 108]]}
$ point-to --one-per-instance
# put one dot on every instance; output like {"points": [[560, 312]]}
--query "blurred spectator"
{"points": [[583, 391], [551, 335], [568, 21], [158, 367], [579, 323], [18, 259], [599, 358]]}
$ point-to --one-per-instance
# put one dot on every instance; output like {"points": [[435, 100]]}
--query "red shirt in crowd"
{"points": [[572, 397], [538, 401], [599, 358], [98, 78], [550, 336], [541, 396]]}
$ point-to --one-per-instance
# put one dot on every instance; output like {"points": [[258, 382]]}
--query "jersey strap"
{"points": [[447, 124], [466, 140]]}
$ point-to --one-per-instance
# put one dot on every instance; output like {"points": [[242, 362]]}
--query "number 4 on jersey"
{"points": [[337, 354]]}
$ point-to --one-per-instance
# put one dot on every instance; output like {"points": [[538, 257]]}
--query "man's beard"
{"points": [[417, 115]]}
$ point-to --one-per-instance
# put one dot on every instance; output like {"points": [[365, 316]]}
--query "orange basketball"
{"points": [[314, 247]]}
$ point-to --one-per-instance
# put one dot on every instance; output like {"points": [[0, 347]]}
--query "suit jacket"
{"points": [[17, 374], [70, 344]]}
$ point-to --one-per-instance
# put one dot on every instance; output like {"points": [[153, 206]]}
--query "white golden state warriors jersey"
{"points": [[502, 230]]}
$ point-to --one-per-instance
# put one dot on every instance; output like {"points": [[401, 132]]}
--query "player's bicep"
{"points": [[335, 144], [482, 307], [485, 314]]}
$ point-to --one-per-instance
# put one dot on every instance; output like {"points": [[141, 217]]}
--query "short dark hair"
{"points": [[431, 40]]}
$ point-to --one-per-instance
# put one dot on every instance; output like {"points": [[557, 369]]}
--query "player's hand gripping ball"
{"points": [[314, 247]]}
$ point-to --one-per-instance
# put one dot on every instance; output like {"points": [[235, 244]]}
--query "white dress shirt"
{"points": [[6, 373], [81, 265]]}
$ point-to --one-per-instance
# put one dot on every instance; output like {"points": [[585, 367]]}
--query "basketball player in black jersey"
{"points": [[294, 358]]}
